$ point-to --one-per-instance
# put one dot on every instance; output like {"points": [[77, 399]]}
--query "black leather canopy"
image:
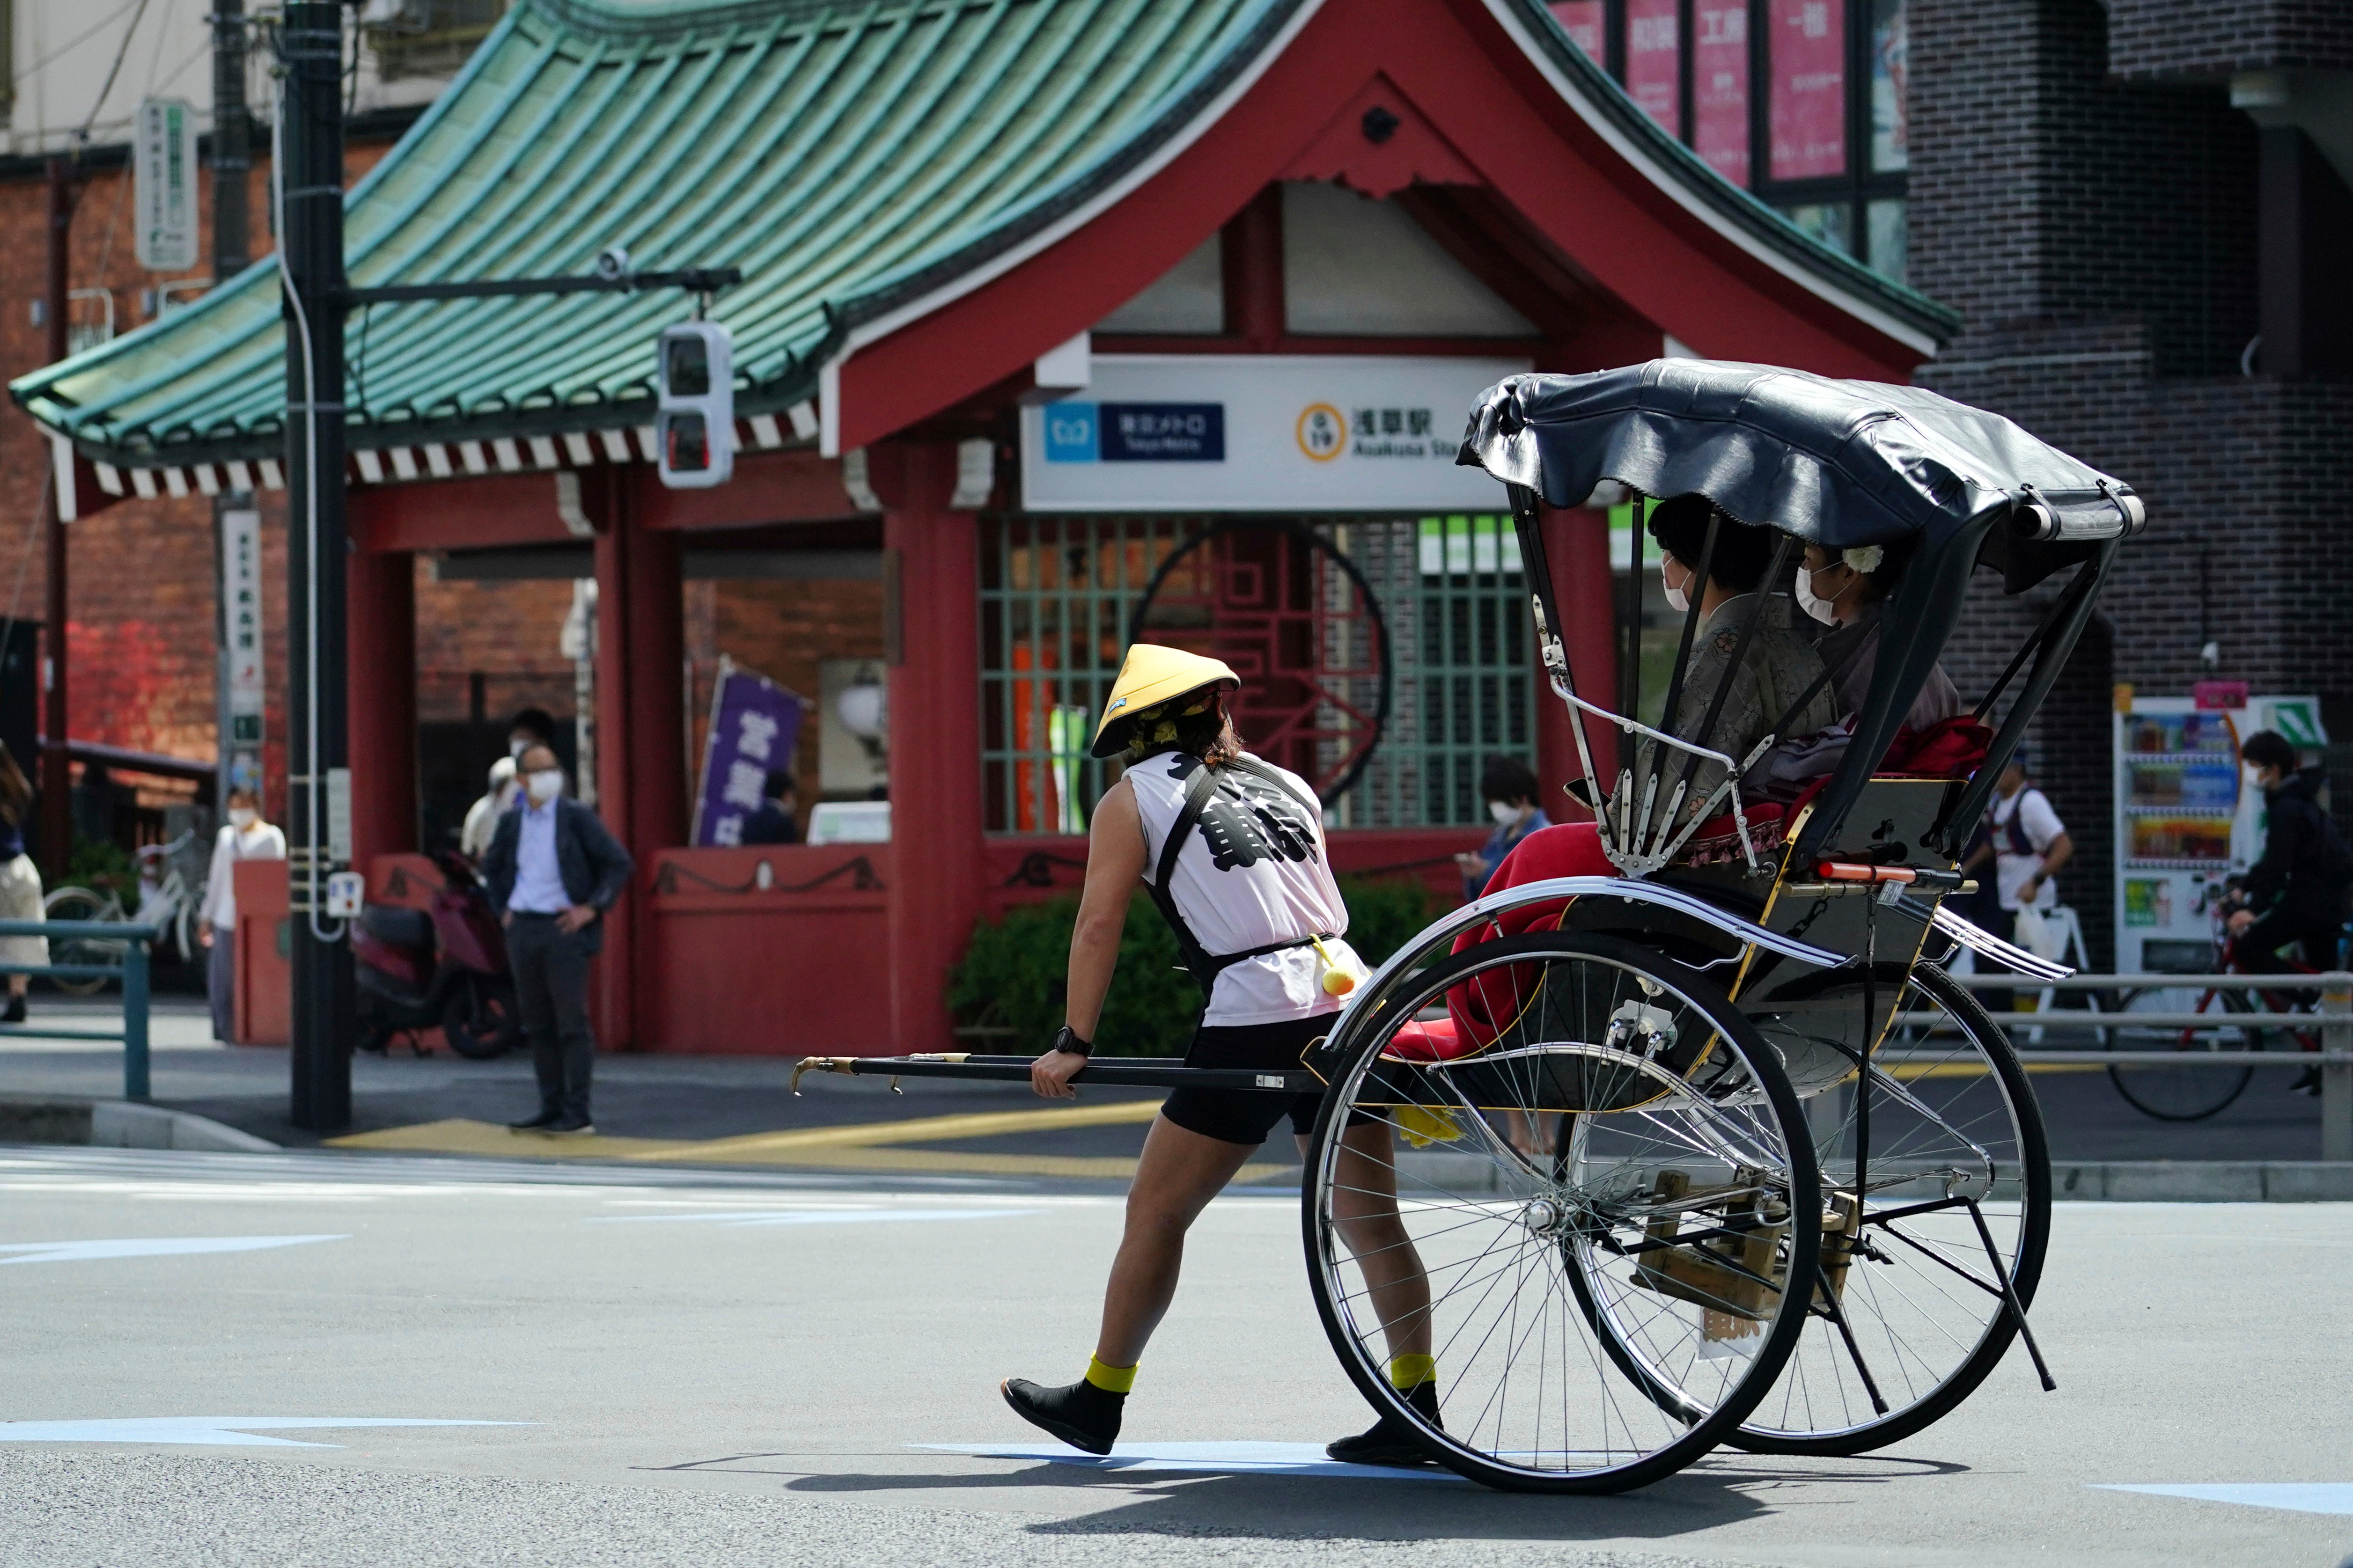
{"points": [[1837, 463]]}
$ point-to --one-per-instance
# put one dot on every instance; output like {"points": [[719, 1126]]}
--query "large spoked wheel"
{"points": [[1909, 1315], [1591, 1223], [81, 904], [2184, 1094]]}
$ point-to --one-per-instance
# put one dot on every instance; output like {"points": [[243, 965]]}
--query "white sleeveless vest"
{"points": [[1253, 872]]}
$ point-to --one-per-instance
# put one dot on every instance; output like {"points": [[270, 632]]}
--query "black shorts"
{"points": [[1244, 1115]]}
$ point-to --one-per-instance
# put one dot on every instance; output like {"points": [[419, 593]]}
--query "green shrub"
{"points": [[1012, 974], [96, 863]]}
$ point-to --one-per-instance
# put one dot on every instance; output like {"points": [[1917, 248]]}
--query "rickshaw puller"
{"points": [[1232, 850]]}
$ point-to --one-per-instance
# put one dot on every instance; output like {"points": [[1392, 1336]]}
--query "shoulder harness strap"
{"points": [[1205, 966]]}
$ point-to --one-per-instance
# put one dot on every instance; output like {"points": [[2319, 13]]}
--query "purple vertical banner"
{"points": [[755, 723]]}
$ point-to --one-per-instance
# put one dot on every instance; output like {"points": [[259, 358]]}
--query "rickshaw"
{"points": [[1697, 1143]]}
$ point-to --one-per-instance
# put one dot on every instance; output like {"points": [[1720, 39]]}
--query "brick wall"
{"points": [[140, 575], [2196, 37], [2098, 235]]}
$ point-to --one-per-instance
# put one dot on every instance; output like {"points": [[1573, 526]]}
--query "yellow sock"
{"points": [[1109, 1379], [1408, 1372]]}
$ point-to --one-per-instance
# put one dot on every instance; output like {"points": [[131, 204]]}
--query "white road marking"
{"points": [[1201, 1458], [220, 1431], [157, 1247], [2296, 1497]]}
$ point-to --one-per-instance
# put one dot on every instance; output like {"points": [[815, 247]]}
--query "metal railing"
{"points": [[138, 942], [2333, 1022]]}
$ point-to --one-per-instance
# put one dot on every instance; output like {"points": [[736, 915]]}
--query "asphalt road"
{"points": [[691, 1368]]}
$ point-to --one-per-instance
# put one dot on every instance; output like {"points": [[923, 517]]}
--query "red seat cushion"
{"points": [[1949, 749], [1482, 1006]]}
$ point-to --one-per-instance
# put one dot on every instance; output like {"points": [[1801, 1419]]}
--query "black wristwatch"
{"points": [[1068, 1040]]}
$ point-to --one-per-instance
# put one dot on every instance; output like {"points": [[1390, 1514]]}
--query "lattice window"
{"points": [[1058, 595]]}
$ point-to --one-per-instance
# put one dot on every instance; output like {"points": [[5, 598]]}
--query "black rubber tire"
{"points": [[1709, 1429], [2026, 1270], [2226, 1086], [481, 1021]]}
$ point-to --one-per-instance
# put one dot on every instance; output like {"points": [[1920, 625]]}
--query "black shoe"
{"points": [[2308, 1082], [15, 1012], [1391, 1441], [540, 1124], [1081, 1415], [570, 1127]]}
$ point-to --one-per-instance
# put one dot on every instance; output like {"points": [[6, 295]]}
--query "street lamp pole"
{"points": [[309, 171], [57, 761]]}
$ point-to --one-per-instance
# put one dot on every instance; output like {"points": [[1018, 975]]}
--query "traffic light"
{"points": [[694, 425]]}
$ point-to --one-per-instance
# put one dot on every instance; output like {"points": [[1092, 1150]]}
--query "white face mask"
{"points": [[1678, 600], [515, 748], [1503, 812], [1813, 603], [545, 784], [242, 818]]}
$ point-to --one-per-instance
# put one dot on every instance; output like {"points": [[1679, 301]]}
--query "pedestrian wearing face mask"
{"points": [[1776, 668], [1845, 591], [532, 727], [1510, 788], [245, 838], [551, 871]]}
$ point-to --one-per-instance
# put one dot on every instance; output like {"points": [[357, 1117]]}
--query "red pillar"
{"points": [[1576, 541], [937, 841], [640, 739], [381, 621], [613, 988]]}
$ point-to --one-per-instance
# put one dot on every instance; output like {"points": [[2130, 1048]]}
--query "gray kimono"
{"points": [[1777, 668]]}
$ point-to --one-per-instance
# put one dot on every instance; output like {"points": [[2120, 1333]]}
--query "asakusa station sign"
{"points": [[1260, 433]]}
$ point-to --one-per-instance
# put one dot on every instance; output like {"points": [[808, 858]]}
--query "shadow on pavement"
{"points": [[1720, 1491]]}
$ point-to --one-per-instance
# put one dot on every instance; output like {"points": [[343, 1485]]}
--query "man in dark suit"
{"points": [[552, 870], [775, 822]]}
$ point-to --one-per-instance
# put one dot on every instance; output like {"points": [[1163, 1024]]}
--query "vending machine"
{"points": [[2186, 819]]}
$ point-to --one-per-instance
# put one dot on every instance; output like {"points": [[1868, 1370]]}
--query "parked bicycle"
{"points": [[2173, 1096], [166, 902]]}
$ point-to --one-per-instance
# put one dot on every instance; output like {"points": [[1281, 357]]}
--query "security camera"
{"points": [[613, 262]]}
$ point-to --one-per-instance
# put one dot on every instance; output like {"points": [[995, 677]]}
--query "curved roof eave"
{"points": [[1230, 58]]}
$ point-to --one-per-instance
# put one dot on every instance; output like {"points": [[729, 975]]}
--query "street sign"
{"points": [[163, 181], [694, 427], [240, 597]]}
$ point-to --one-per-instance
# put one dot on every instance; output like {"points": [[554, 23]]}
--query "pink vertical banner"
{"points": [[1582, 20], [1720, 86], [1653, 61], [1808, 43]]}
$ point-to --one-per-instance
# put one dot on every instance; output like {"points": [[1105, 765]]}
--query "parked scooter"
{"points": [[445, 965]]}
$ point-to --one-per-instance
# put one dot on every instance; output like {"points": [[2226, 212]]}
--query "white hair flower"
{"points": [[1864, 558]]}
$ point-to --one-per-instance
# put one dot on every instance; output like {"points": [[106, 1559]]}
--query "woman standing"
{"points": [[245, 838], [20, 883], [1232, 850]]}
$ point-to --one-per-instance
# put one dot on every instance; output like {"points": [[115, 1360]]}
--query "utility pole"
{"points": [[310, 239], [57, 776], [232, 160], [232, 141]]}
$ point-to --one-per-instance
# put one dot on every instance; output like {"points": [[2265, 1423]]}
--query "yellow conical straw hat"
{"points": [[1151, 675]]}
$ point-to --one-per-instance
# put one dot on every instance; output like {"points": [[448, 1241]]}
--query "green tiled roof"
{"points": [[845, 156], [849, 158]]}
